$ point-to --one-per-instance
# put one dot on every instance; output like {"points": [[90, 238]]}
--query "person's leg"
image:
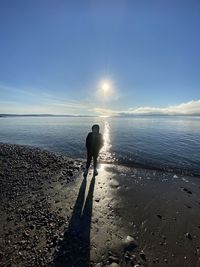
{"points": [[95, 156], [89, 159]]}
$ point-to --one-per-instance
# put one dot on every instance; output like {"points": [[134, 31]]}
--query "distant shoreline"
{"points": [[93, 116], [41, 115]]}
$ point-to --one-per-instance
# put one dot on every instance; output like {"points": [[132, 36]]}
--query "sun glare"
{"points": [[105, 86], [105, 90]]}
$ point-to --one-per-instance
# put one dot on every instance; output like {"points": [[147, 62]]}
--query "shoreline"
{"points": [[132, 215]]}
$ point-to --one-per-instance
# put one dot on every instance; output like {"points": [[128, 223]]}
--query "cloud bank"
{"points": [[188, 108]]}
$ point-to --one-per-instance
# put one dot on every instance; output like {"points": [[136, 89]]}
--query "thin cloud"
{"points": [[188, 108], [12, 89], [40, 103]]}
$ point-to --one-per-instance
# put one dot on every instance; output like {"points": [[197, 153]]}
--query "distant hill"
{"points": [[42, 115]]}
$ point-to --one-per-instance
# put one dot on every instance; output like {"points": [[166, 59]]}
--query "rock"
{"points": [[159, 216], [130, 243], [70, 173], [26, 234], [143, 256], [188, 235], [133, 258], [113, 259], [32, 226], [110, 253], [114, 264], [1, 255], [127, 256], [187, 190], [22, 242], [54, 240]]}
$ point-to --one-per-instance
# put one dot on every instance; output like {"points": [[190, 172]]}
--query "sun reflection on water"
{"points": [[105, 154]]}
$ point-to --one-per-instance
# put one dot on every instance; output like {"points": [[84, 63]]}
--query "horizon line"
{"points": [[87, 115]]}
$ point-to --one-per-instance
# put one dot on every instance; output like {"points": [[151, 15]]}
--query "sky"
{"points": [[100, 57]]}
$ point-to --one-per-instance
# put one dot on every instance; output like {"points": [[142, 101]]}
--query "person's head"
{"points": [[95, 128]]}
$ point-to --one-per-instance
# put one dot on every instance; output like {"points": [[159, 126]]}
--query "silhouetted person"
{"points": [[94, 143]]}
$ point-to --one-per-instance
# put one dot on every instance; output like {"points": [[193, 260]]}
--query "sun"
{"points": [[105, 90], [105, 86]]}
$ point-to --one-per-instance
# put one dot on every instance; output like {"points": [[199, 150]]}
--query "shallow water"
{"points": [[166, 142]]}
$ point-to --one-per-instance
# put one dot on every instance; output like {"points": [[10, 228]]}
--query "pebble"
{"points": [[114, 264], [130, 243], [113, 259], [188, 235], [143, 256], [26, 172], [187, 190], [1, 255], [127, 256]]}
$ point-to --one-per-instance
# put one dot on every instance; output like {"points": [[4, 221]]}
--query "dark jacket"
{"points": [[94, 142]]}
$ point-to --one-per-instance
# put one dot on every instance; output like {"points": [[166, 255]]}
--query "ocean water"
{"points": [[160, 142]]}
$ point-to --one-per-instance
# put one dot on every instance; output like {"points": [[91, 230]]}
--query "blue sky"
{"points": [[55, 56]]}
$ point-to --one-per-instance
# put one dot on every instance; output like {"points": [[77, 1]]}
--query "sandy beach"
{"points": [[51, 216]]}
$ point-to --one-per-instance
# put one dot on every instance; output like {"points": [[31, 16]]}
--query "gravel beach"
{"points": [[29, 227], [51, 216]]}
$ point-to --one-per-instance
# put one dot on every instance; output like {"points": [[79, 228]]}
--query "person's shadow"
{"points": [[74, 249]]}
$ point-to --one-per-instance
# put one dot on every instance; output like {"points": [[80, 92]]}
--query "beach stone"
{"points": [[130, 243], [127, 256], [143, 256], [114, 184], [188, 235], [1, 255], [32, 226], [187, 190], [26, 234], [114, 264], [133, 257], [113, 259]]}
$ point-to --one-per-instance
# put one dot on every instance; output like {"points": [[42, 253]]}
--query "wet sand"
{"points": [[51, 216]]}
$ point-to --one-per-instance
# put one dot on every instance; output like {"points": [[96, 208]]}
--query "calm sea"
{"points": [[161, 142]]}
